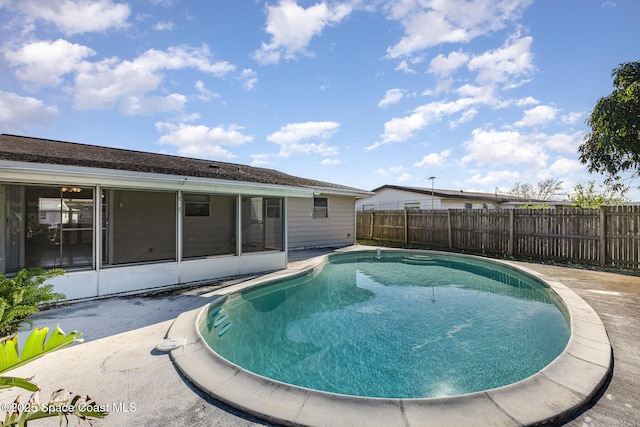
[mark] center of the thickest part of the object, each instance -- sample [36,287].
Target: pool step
[418,260]
[224,329]
[219,320]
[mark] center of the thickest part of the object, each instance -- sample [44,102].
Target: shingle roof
[37,150]
[459,194]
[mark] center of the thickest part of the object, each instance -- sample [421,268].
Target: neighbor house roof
[37,150]
[459,194]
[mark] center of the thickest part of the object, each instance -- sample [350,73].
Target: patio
[117,365]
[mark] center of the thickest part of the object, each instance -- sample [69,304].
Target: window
[273,208]
[468,206]
[368,208]
[197,205]
[48,227]
[411,206]
[320,207]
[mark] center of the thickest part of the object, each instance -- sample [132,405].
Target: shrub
[63,403]
[22,295]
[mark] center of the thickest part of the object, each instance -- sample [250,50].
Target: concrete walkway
[118,366]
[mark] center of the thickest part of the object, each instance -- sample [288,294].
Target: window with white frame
[320,207]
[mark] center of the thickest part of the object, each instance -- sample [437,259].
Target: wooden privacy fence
[609,236]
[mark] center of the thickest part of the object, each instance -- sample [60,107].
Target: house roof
[45,151]
[459,194]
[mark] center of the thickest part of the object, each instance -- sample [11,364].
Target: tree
[544,190]
[586,196]
[613,145]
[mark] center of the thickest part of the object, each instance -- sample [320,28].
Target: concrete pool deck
[118,365]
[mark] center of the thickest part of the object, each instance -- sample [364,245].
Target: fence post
[406,225]
[512,232]
[373,215]
[603,235]
[449,228]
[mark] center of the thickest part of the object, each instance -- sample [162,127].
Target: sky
[480,94]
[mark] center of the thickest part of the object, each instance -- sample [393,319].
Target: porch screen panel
[209,225]
[141,226]
[14,228]
[59,227]
[262,224]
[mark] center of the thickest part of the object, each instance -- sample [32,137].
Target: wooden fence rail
[609,236]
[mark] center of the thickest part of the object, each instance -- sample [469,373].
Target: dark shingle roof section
[37,150]
[459,194]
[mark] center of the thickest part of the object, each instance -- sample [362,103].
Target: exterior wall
[139,232]
[336,230]
[144,233]
[462,204]
[392,199]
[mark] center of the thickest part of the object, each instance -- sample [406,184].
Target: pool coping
[562,387]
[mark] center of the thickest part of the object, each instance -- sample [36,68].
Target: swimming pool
[393,325]
[558,389]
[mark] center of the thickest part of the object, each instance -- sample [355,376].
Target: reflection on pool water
[399,325]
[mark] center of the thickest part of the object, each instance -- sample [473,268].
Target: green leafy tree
[613,145]
[62,404]
[588,197]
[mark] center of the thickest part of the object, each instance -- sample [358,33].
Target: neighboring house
[120,220]
[396,197]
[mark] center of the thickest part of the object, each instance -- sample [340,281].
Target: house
[120,220]
[396,197]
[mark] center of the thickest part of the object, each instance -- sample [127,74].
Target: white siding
[336,230]
[392,199]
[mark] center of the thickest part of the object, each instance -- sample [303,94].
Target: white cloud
[404,177]
[505,147]
[290,136]
[571,118]
[565,166]
[392,96]
[400,129]
[164,26]
[506,64]
[249,77]
[492,177]
[428,24]
[524,102]
[292,27]
[563,142]
[44,63]
[260,159]
[134,105]
[205,94]
[202,141]
[433,160]
[537,115]
[331,162]
[405,67]
[382,172]
[78,16]
[107,83]
[445,65]
[17,113]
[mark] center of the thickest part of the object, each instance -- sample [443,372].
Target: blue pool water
[399,325]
